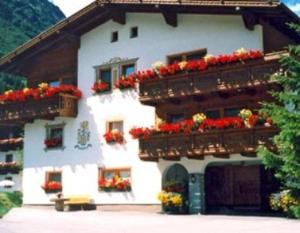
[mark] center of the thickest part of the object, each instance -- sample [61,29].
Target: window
[173,118]
[105,76]
[186,56]
[8,158]
[223,112]
[213,114]
[53,176]
[115,125]
[53,182]
[115,179]
[128,69]
[54,136]
[54,83]
[114,37]
[134,32]
[112,71]
[68,81]
[57,83]
[231,112]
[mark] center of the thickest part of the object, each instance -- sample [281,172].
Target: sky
[71,7]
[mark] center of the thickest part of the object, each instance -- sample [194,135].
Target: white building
[10,161]
[105,41]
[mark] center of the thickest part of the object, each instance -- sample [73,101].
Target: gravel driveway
[46,220]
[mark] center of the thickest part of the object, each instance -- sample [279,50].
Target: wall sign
[83,136]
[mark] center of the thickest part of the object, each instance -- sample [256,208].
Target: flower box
[101,87]
[115,184]
[52,187]
[44,91]
[52,143]
[114,136]
[172,198]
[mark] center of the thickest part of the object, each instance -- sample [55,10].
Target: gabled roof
[101,11]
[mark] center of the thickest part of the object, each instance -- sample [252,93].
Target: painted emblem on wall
[83,136]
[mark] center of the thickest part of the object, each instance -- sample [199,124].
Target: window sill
[53,191]
[103,92]
[113,191]
[62,148]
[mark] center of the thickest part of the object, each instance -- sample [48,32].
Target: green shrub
[9,201]
[294,212]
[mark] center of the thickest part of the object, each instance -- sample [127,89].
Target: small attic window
[114,36]
[134,32]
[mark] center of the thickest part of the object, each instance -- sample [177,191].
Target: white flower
[157,65]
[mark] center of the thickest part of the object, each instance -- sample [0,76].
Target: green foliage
[9,201]
[22,20]
[285,113]
[19,22]
[294,212]
[10,82]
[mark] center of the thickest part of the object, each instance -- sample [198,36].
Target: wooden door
[246,186]
[233,187]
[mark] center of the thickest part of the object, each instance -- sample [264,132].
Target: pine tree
[285,113]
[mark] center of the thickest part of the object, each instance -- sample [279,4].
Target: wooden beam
[118,16]
[170,18]
[250,20]
[249,154]
[221,155]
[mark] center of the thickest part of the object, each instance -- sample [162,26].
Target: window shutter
[115,75]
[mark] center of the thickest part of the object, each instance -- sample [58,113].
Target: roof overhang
[101,11]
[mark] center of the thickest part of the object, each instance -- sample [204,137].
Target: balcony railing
[216,79]
[11,144]
[219,143]
[64,105]
[10,168]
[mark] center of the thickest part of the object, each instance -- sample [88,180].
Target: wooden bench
[74,202]
[84,202]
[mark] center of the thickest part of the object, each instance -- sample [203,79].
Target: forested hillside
[21,20]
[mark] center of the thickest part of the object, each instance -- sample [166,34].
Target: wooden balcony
[63,105]
[11,144]
[10,168]
[219,143]
[223,78]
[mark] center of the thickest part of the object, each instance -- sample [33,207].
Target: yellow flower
[115,131]
[208,57]
[26,90]
[158,122]
[156,66]
[163,197]
[8,92]
[241,51]
[43,86]
[199,117]
[183,65]
[245,113]
[176,200]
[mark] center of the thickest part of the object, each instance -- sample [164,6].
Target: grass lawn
[9,201]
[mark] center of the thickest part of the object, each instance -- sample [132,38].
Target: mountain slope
[21,20]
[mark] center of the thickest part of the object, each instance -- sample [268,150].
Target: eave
[101,11]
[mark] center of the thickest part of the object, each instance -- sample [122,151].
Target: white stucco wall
[219,34]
